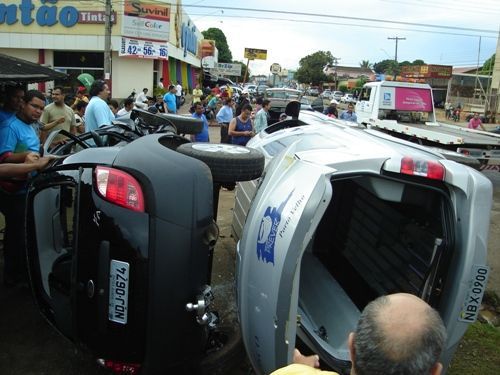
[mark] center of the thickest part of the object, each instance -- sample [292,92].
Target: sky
[290,36]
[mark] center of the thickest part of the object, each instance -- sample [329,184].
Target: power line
[345,24]
[348,18]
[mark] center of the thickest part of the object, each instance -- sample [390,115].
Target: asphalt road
[30,346]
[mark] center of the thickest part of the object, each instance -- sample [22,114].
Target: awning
[14,70]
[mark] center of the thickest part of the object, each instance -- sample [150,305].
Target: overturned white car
[341,216]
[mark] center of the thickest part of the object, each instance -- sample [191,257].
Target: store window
[76,63]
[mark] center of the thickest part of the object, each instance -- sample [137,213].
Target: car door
[281,221]
[51,219]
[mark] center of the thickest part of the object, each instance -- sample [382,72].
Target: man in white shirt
[128,104]
[142,100]
[178,94]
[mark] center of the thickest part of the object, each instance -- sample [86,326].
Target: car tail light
[120,368]
[424,168]
[120,188]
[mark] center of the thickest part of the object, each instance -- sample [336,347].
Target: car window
[311,142]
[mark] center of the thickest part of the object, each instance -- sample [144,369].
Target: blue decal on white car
[267,232]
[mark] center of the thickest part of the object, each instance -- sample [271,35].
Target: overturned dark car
[120,242]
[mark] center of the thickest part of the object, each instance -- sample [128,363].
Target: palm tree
[366,64]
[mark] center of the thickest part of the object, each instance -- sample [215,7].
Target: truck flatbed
[440,133]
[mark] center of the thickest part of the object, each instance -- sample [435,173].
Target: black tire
[228,163]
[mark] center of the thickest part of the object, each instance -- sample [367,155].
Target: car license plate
[474,296]
[118,291]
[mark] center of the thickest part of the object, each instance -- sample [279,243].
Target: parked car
[326,94]
[313,91]
[342,216]
[337,95]
[347,98]
[120,241]
[259,91]
[250,88]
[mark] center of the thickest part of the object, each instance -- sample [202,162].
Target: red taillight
[424,168]
[120,188]
[120,368]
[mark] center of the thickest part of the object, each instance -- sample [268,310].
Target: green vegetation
[479,352]
[488,65]
[311,67]
[213,33]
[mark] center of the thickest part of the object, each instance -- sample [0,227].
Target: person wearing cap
[331,110]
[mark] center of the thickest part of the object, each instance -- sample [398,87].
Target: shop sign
[95,17]
[426,71]
[255,54]
[189,41]
[48,14]
[143,49]
[146,21]
[225,69]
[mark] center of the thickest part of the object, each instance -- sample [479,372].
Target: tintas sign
[48,14]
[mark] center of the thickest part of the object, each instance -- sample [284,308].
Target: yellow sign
[255,54]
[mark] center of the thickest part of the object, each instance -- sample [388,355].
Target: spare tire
[228,163]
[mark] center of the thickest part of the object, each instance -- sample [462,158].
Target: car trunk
[378,236]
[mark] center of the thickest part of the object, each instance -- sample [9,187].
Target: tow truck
[405,110]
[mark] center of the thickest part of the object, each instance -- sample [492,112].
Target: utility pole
[396,53]
[107,41]
[335,63]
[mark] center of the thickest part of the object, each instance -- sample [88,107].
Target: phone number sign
[143,49]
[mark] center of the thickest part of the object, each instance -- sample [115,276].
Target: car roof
[329,141]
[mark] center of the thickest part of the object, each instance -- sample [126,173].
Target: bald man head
[397,334]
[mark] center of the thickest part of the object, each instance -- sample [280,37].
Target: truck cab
[399,101]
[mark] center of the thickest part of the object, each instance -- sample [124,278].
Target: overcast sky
[289,37]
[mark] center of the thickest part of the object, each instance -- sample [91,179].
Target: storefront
[148,41]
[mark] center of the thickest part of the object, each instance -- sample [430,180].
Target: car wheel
[228,163]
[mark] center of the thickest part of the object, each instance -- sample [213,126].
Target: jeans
[224,136]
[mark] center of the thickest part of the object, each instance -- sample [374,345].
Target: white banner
[226,69]
[143,49]
[145,28]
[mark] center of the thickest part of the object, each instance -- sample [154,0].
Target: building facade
[149,40]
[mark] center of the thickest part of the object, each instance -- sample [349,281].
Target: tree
[366,64]
[213,33]
[385,66]
[311,67]
[418,62]
[488,65]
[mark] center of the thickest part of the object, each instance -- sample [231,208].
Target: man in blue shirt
[169,99]
[224,117]
[349,114]
[12,103]
[18,139]
[97,113]
[198,113]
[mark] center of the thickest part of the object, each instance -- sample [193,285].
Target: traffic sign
[275,68]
